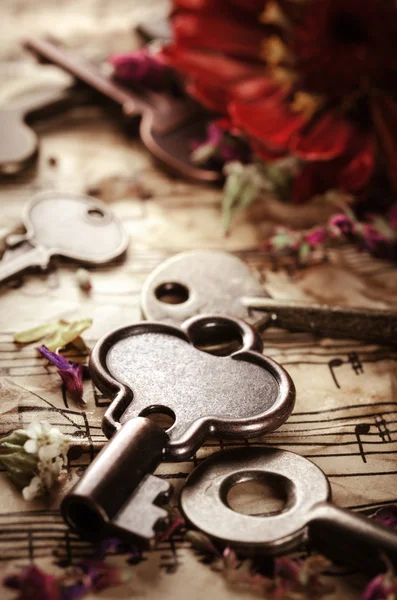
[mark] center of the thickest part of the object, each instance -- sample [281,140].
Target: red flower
[316,79]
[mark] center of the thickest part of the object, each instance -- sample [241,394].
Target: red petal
[217,32]
[269,120]
[305,184]
[214,98]
[327,138]
[359,169]
[253,88]
[264,153]
[209,67]
[384,112]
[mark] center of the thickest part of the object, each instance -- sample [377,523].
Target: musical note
[355,362]
[359,430]
[384,432]
[335,362]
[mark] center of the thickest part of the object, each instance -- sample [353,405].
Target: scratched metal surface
[345,415]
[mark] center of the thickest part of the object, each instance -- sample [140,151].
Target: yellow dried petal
[306,104]
[275,52]
[35,334]
[67,333]
[274,15]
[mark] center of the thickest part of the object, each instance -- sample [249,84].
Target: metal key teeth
[141,516]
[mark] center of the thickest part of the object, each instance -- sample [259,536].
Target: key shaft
[35,256]
[117,484]
[371,325]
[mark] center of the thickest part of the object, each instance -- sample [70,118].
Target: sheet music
[345,418]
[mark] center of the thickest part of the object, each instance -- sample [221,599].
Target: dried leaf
[67,333]
[36,333]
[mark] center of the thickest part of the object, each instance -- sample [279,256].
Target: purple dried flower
[317,236]
[374,240]
[341,223]
[392,216]
[382,587]
[387,516]
[34,583]
[221,145]
[71,373]
[100,575]
[141,67]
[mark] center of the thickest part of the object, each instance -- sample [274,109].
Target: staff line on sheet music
[40,361]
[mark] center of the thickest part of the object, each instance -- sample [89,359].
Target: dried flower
[176,521]
[221,146]
[262,64]
[141,67]
[387,516]
[34,458]
[83,278]
[57,335]
[89,575]
[377,235]
[33,583]
[381,587]
[70,372]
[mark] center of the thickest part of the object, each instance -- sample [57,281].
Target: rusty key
[307,515]
[19,142]
[168,124]
[149,369]
[208,281]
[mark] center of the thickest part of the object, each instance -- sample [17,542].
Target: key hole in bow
[258,494]
[172,292]
[162,416]
[96,214]
[216,337]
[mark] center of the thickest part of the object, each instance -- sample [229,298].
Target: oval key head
[204,497]
[74,226]
[157,368]
[199,282]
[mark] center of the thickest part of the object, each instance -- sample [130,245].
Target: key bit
[142,502]
[116,495]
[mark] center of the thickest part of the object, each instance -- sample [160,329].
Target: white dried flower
[34,458]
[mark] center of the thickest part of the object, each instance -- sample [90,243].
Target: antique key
[168,125]
[69,225]
[154,368]
[307,515]
[19,143]
[208,281]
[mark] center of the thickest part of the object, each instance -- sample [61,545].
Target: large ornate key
[168,125]
[307,515]
[70,225]
[207,281]
[151,368]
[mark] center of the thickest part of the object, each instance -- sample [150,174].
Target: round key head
[204,497]
[74,226]
[199,282]
[152,368]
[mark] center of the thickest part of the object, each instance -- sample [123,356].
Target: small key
[194,282]
[69,225]
[154,368]
[168,125]
[307,515]
[19,142]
